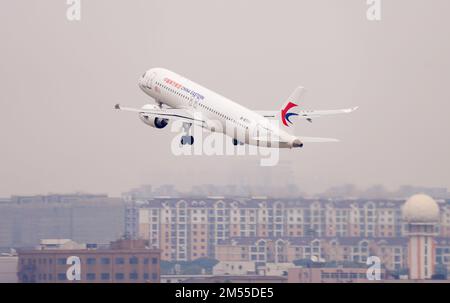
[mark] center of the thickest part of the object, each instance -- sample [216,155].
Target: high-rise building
[8,268]
[228,229]
[84,218]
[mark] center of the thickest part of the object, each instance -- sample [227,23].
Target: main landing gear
[236,142]
[187,139]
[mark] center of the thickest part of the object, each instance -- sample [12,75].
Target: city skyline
[256,234]
[234,190]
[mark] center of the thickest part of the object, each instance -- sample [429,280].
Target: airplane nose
[142,81]
[297,143]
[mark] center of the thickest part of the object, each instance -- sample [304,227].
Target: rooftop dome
[421,209]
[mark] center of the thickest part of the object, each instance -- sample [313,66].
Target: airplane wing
[167,113]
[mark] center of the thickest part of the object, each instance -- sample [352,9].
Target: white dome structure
[421,214]
[420,209]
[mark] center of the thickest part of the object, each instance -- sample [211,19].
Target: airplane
[178,98]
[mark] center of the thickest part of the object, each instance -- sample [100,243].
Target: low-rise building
[8,268]
[239,279]
[181,278]
[123,261]
[391,251]
[330,275]
[275,269]
[234,268]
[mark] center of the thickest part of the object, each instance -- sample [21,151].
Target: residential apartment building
[392,252]
[228,229]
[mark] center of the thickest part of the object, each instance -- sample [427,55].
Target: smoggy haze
[60,81]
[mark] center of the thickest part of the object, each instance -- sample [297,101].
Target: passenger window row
[202,105]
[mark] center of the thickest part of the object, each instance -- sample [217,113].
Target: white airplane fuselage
[219,113]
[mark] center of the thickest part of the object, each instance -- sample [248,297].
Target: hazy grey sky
[60,80]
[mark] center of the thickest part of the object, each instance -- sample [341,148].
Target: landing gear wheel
[236,142]
[189,140]
[186,138]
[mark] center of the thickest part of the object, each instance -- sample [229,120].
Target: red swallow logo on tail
[286,115]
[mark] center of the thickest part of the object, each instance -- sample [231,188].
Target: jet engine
[153,120]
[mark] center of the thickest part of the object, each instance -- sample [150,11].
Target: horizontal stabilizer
[317,140]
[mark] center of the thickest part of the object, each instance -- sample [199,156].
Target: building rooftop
[302,241]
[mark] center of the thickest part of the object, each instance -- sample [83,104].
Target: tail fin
[292,101]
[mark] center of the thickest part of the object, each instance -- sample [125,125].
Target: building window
[105,276]
[90,261]
[134,260]
[133,276]
[119,276]
[61,261]
[105,261]
[90,276]
[61,277]
[145,260]
[146,276]
[120,261]
[154,261]
[154,276]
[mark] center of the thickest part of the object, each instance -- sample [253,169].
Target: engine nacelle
[154,121]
